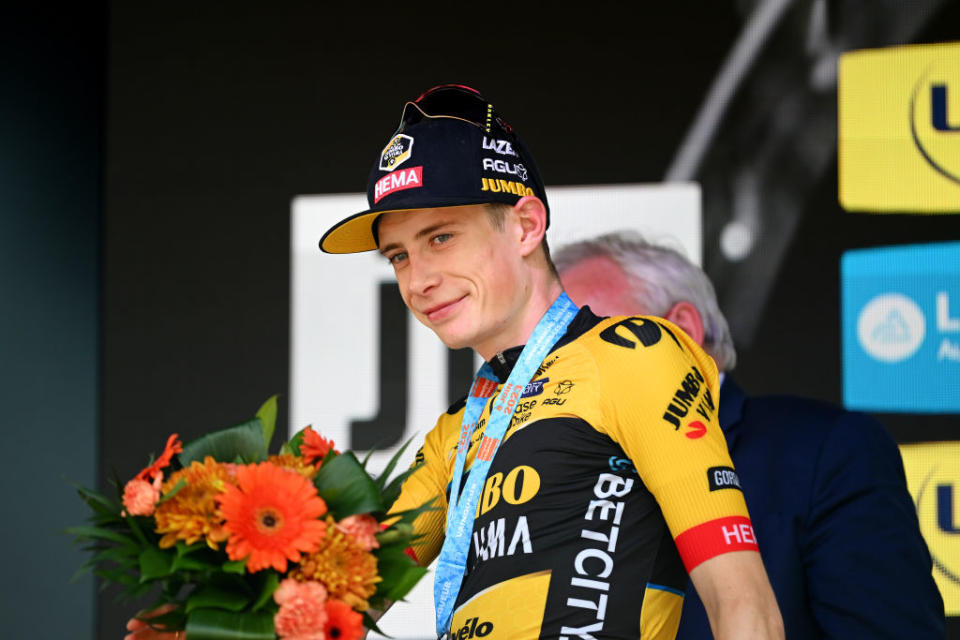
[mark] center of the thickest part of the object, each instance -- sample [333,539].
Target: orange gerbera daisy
[314,446]
[343,623]
[192,512]
[271,516]
[347,571]
[173,447]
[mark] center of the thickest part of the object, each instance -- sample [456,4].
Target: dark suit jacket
[837,529]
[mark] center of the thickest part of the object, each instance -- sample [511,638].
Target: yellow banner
[933,477]
[899,129]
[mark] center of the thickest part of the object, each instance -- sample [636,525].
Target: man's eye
[440,238]
[397,258]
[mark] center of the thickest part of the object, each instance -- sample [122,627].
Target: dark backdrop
[218,114]
[51,95]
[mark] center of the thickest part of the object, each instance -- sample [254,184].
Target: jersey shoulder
[640,341]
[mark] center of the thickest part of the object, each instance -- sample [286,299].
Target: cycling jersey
[612,479]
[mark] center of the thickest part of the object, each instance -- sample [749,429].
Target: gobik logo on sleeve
[933,477]
[901,328]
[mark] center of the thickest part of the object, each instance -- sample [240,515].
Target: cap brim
[351,235]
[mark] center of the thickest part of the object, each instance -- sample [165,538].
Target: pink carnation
[302,614]
[362,528]
[140,497]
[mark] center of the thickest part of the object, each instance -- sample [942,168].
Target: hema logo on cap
[901,328]
[398,181]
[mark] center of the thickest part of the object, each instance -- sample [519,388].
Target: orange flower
[343,623]
[314,446]
[362,528]
[192,512]
[294,463]
[302,614]
[347,571]
[271,516]
[140,497]
[173,447]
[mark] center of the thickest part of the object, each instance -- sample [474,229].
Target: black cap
[452,148]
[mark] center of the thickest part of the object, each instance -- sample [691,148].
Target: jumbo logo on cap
[397,151]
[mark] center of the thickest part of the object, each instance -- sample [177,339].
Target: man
[575,507]
[836,527]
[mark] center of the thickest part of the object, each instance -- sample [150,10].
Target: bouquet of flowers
[238,543]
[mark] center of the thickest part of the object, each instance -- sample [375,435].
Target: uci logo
[938,508]
[935,117]
[891,327]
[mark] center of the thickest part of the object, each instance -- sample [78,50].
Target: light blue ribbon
[452,563]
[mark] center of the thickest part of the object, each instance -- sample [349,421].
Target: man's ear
[532,215]
[685,315]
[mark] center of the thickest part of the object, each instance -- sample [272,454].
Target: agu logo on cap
[933,477]
[901,328]
[396,152]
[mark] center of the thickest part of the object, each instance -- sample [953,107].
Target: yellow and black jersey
[612,478]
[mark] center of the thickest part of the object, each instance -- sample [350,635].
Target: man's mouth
[441,311]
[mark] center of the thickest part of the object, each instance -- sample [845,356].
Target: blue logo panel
[901,328]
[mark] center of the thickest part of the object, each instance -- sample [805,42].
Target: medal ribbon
[452,563]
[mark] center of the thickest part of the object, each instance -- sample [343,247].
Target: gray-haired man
[836,526]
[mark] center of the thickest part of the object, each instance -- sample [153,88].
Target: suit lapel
[730,412]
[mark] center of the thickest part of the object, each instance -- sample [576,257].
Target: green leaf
[189,563]
[371,624]
[399,574]
[346,487]
[97,501]
[399,532]
[243,441]
[270,584]
[211,597]
[98,533]
[181,483]
[235,566]
[293,447]
[155,563]
[216,624]
[268,418]
[382,478]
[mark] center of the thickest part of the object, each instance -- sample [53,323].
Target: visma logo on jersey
[901,328]
[933,477]
[899,138]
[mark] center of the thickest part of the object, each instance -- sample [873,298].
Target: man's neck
[519,332]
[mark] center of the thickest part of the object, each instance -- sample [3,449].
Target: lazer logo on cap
[503,147]
[396,152]
[502,166]
[411,178]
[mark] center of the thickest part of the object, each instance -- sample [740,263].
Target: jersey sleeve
[424,484]
[659,394]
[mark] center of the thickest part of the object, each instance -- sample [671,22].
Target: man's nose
[423,276]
